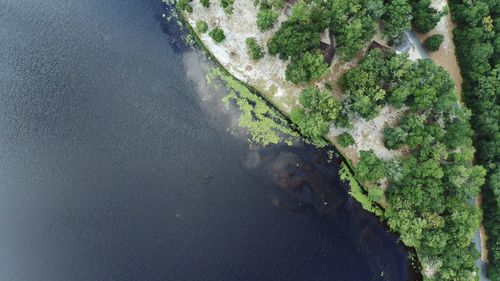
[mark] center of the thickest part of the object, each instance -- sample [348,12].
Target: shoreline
[415,265]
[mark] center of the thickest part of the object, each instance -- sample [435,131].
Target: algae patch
[357,191]
[265,125]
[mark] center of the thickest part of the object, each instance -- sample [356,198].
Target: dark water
[116,164]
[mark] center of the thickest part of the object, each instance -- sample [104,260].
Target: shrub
[274,4]
[184,6]
[345,139]
[205,3]
[253,49]
[217,34]
[434,42]
[266,18]
[375,193]
[201,26]
[227,5]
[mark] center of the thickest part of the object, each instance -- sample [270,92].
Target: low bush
[253,49]
[201,26]
[345,139]
[217,34]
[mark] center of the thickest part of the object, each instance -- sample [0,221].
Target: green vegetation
[434,42]
[353,23]
[227,5]
[300,33]
[205,3]
[397,18]
[358,193]
[319,108]
[253,49]
[266,18]
[264,124]
[345,139]
[429,189]
[369,168]
[365,94]
[394,138]
[299,38]
[183,5]
[201,26]
[310,66]
[477,43]
[425,17]
[217,34]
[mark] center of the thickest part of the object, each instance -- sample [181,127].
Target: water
[116,164]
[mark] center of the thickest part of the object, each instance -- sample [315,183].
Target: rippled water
[116,164]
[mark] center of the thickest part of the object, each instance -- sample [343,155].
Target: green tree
[311,126]
[183,5]
[319,108]
[394,138]
[353,24]
[375,194]
[425,17]
[309,67]
[397,18]
[300,33]
[363,85]
[217,34]
[434,42]
[369,167]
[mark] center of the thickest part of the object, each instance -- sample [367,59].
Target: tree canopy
[310,66]
[318,109]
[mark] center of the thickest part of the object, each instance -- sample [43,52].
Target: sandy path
[445,56]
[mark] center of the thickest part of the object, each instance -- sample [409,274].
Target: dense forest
[477,41]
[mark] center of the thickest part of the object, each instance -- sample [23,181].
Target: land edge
[415,263]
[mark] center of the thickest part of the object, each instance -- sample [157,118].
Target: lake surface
[116,163]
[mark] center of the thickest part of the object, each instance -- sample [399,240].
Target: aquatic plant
[265,125]
[357,191]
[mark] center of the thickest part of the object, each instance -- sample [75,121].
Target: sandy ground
[268,74]
[445,56]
